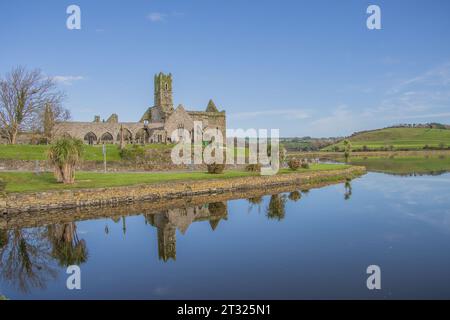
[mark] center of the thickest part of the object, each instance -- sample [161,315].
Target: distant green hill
[397,139]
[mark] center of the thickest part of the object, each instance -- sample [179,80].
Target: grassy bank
[397,139]
[30,182]
[90,153]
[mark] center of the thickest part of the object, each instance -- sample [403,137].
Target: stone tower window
[167,86]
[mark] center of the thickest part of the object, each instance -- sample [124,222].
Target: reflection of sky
[424,198]
[320,249]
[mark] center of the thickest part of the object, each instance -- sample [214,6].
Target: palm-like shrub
[64,155]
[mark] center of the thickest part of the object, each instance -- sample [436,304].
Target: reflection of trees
[295,196]
[348,189]
[255,201]
[25,259]
[67,248]
[3,238]
[276,209]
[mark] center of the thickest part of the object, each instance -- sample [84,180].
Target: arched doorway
[142,136]
[90,138]
[107,138]
[127,136]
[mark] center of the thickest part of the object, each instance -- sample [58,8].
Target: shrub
[305,165]
[215,168]
[64,155]
[2,185]
[294,164]
[134,153]
[253,167]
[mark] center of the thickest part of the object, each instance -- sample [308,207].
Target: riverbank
[383,154]
[73,198]
[117,211]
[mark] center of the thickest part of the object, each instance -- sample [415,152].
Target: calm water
[314,244]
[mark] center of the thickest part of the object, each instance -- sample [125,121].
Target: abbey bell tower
[163,92]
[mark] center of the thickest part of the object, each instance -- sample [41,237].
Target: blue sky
[305,67]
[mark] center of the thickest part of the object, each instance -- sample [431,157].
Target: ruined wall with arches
[105,132]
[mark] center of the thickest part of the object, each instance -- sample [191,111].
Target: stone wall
[81,129]
[66,199]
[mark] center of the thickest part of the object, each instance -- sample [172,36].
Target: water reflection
[206,248]
[30,257]
[167,223]
[277,207]
[26,259]
[67,248]
[405,166]
[348,189]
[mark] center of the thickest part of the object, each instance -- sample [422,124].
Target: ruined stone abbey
[155,126]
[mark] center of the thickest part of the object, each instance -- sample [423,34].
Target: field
[397,139]
[90,153]
[28,181]
[38,152]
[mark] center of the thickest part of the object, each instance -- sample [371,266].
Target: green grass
[90,153]
[398,138]
[404,165]
[30,182]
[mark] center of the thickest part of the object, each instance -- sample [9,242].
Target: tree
[23,95]
[347,149]
[47,118]
[64,154]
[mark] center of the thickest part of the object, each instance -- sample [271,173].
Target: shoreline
[13,203]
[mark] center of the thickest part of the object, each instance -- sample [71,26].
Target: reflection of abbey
[155,126]
[169,221]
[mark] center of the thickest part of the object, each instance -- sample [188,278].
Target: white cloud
[67,80]
[341,121]
[162,17]
[156,17]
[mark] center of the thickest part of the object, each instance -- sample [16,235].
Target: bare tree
[23,94]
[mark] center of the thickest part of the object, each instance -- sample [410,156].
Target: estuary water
[314,244]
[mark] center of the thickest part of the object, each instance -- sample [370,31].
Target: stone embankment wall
[66,199]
